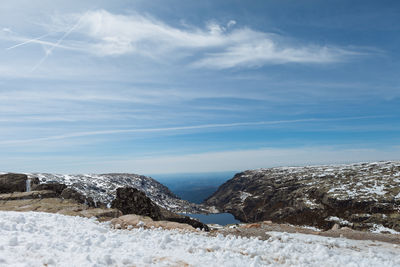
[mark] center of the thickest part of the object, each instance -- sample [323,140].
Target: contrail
[29,41]
[58,43]
[181,128]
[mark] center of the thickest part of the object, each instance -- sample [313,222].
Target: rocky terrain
[15,195]
[102,188]
[50,198]
[363,196]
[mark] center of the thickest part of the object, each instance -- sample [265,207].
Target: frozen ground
[42,239]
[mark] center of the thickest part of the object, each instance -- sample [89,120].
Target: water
[217,218]
[196,187]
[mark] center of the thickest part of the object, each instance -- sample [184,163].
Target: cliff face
[362,196]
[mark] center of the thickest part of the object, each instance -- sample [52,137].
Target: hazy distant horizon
[200,174]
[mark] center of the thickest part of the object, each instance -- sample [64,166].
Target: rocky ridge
[54,197]
[102,189]
[361,196]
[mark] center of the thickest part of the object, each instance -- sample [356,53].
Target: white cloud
[215,46]
[266,51]
[231,23]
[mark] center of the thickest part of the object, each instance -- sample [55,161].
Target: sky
[168,86]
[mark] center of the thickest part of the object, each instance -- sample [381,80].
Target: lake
[196,187]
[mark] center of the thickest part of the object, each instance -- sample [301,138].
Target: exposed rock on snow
[42,239]
[102,188]
[136,221]
[357,195]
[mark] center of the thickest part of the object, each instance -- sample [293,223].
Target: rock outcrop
[132,201]
[361,196]
[12,182]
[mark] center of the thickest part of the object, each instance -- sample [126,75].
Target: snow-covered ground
[42,239]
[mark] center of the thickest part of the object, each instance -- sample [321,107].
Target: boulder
[130,200]
[12,182]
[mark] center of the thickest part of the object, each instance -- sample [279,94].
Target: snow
[378,228]
[42,239]
[244,195]
[338,220]
[368,181]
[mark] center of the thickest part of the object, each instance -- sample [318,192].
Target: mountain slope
[363,195]
[102,187]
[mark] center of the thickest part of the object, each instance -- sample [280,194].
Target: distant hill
[361,196]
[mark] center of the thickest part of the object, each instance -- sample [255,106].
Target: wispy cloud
[266,51]
[236,47]
[174,129]
[216,45]
[65,35]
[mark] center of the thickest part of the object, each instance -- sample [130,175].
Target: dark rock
[56,187]
[185,219]
[34,181]
[130,200]
[12,182]
[70,193]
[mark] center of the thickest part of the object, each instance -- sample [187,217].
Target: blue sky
[197,86]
